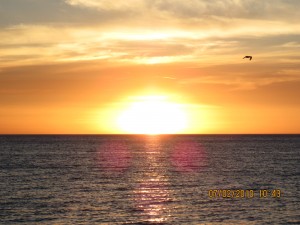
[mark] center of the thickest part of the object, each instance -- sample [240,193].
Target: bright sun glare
[153,115]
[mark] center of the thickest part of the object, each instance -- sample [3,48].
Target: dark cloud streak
[39,12]
[14,12]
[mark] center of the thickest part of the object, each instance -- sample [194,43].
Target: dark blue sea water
[176,179]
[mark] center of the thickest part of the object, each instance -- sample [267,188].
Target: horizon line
[110,134]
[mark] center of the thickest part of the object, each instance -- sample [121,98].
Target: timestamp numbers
[276,193]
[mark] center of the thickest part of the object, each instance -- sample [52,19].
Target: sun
[153,115]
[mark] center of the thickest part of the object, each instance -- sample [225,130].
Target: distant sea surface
[136,179]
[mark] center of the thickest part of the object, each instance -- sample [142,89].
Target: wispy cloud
[108,4]
[200,32]
[251,9]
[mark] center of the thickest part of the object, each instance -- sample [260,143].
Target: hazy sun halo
[153,115]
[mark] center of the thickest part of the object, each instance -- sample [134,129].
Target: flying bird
[248,57]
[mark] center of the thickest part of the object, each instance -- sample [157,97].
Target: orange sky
[74,66]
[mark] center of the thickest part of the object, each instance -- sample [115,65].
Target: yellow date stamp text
[244,193]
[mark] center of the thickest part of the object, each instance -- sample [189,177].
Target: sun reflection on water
[152,193]
[147,168]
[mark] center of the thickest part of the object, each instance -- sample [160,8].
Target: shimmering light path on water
[148,179]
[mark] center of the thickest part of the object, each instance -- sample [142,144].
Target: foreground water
[183,179]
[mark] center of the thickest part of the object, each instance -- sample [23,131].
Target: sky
[98,66]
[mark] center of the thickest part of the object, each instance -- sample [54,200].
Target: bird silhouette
[248,57]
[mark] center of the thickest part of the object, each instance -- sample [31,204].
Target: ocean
[140,179]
